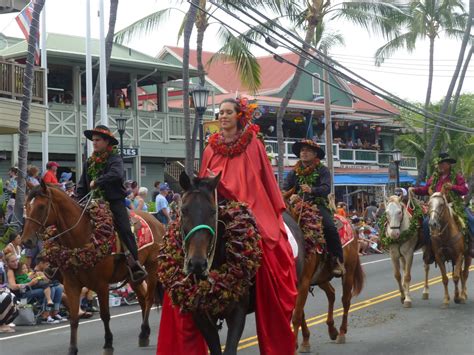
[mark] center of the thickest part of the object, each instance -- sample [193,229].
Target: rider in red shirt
[50,175]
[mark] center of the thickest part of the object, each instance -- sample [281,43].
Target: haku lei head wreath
[246,110]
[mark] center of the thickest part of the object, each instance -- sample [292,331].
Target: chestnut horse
[48,205]
[398,221]
[318,272]
[448,245]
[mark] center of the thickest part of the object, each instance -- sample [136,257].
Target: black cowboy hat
[102,131]
[444,157]
[308,143]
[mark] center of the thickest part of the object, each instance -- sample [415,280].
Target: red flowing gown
[248,178]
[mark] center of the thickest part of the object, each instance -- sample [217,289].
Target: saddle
[140,229]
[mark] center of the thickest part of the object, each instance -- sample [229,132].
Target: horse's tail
[359,278]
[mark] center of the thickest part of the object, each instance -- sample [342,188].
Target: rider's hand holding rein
[93,185]
[306,188]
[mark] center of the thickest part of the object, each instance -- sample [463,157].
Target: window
[316,84]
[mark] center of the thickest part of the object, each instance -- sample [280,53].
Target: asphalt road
[378,324]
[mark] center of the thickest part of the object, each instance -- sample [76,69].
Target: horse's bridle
[213,231]
[401,220]
[439,214]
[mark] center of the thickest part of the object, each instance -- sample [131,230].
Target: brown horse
[318,272]
[448,245]
[46,206]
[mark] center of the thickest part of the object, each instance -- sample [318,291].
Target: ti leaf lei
[308,176]
[96,165]
[415,224]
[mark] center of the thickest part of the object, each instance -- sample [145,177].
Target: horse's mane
[443,196]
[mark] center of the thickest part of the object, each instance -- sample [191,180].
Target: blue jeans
[426,231]
[36,294]
[56,296]
[470,221]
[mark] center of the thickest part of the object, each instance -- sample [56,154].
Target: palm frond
[144,26]
[405,40]
[328,39]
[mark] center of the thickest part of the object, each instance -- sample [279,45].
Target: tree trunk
[109,41]
[447,100]
[428,90]
[201,25]
[188,29]
[461,81]
[312,22]
[25,113]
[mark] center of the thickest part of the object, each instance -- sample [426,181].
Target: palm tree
[109,41]
[461,79]
[25,111]
[425,19]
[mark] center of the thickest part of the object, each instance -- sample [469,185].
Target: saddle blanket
[292,240]
[141,230]
[344,229]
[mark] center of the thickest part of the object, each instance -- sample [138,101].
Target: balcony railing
[11,81]
[272,148]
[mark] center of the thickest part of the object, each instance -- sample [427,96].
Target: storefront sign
[130,152]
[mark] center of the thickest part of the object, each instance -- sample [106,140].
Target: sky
[404,75]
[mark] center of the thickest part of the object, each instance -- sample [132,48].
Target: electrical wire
[392,98]
[281,59]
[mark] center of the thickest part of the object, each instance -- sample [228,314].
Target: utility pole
[328,130]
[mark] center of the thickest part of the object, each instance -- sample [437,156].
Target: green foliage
[151,206]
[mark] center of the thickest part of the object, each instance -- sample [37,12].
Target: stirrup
[137,272]
[338,270]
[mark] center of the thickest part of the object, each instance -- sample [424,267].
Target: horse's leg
[103,296]
[465,275]
[442,269]
[141,292]
[426,288]
[347,283]
[305,345]
[457,274]
[208,329]
[395,255]
[408,261]
[235,325]
[73,291]
[331,296]
[303,289]
[144,337]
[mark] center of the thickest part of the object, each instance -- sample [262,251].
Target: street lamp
[121,124]
[200,95]
[397,158]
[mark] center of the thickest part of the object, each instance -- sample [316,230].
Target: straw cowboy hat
[444,157]
[102,131]
[308,143]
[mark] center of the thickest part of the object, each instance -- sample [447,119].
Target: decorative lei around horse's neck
[224,285]
[96,165]
[235,148]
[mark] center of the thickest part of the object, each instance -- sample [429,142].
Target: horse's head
[38,214]
[199,222]
[438,205]
[395,213]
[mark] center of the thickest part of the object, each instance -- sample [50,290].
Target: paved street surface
[378,324]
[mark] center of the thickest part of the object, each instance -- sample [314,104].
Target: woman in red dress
[247,176]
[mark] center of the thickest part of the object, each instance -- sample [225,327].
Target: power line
[283,60]
[437,67]
[388,96]
[394,58]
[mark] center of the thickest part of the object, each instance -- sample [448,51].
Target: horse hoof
[425,296]
[72,352]
[407,304]
[457,300]
[143,342]
[402,299]
[333,335]
[341,339]
[304,349]
[445,306]
[108,351]
[462,301]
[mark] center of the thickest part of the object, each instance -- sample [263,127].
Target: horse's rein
[401,220]
[439,215]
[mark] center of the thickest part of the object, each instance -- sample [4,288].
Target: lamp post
[397,158]
[200,95]
[121,124]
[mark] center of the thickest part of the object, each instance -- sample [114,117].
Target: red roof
[362,106]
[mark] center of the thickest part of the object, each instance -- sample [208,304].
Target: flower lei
[308,176]
[96,165]
[101,242]
[310,224]
[415,225]
[224,285]
[246,110]
[218,144]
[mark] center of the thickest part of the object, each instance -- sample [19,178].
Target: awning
[368,179]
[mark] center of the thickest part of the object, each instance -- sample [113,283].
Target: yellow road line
[251,341]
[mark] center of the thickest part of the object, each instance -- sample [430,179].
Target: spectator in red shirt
[50,175]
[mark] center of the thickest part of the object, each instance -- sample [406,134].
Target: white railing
[272,148]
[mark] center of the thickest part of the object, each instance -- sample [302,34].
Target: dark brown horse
[46,206]
[199,208]
[318,272]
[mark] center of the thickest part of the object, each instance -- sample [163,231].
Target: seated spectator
[26,290]
[139,203]
[370,235]
[350,143]
[32,178]
[23,276]
[14,245]
[8,310]
[341,211]
[70,189]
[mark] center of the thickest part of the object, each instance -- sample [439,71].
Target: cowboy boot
[338,269]
[135,269]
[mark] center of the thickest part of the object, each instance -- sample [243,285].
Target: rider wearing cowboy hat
[443,178]
[109,181]
[312,179]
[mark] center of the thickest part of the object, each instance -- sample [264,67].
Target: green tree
[424,19]
[25,112]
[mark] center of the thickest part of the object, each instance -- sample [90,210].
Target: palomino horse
[318,272]
[398,221]
[448,245]
[199,209]
[47,206]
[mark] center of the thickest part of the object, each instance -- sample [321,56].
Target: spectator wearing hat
[50,175]
[32,178]
[105,178]
[70,189]
[162,206]
[65,177]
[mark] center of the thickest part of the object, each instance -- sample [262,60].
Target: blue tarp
[367,179]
